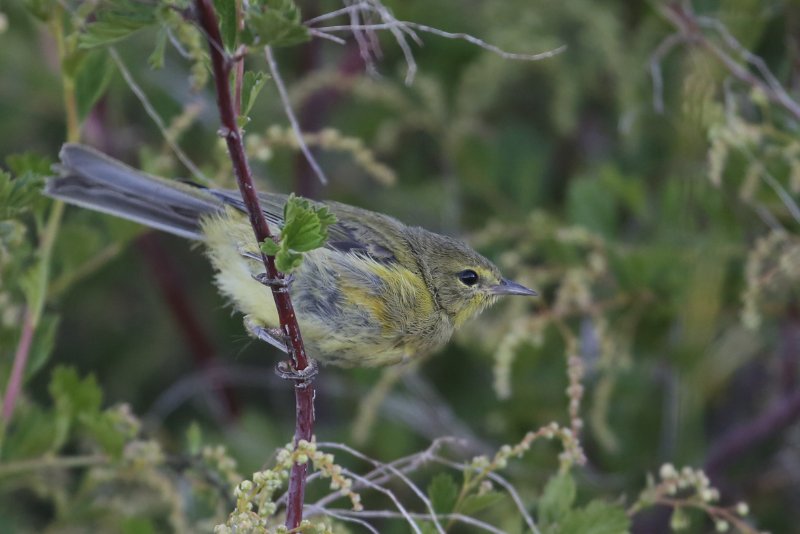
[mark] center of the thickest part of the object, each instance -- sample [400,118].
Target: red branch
[304,392]
[20,361]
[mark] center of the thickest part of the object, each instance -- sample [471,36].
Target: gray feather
[92,180]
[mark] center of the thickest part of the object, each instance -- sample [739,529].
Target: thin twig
[304,391]
[392,470]
[386,514]
[18,369]
[52,462]
[287,108]
[336,514]
[336,13]
[685,21]
[656,58]
[500,481]
[448,35]
[156,118]
[402,509]
[323,35]
[364,33]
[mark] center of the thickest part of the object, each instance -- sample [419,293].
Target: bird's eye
[468,277]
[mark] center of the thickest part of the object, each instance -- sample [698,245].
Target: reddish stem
[20,362]
[304,392]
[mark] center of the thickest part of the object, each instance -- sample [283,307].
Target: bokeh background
[656,216]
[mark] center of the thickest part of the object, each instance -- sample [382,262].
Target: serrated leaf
[115,21]
[557,499]
[305,228]
[91,80]
[73,397]
[596,518]
[443,492]
[226,12]
[475,503]
[252,84]
[103,428]
[29,162]
[18,194]
[288,261]
[270,247]
[73,394]
[277,23]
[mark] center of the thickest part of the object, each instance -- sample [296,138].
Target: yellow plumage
[378,293]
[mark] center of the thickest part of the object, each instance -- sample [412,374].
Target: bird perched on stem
[377,293]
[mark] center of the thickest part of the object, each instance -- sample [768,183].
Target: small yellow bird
[378,293]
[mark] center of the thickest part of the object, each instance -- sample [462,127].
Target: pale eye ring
[468,277]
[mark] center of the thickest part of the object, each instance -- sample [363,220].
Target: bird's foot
[301,377]
[273,336]
[281,284]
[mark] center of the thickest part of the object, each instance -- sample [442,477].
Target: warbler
[378,293]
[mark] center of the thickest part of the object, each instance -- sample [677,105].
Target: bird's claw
[273,336]
[281,284]
[301,377]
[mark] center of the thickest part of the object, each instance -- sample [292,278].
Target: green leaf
[252,84]
[91,80]
[73,397]
[103,428]
[288,261]
[34,434]
[278,23]
[226,12]
[305,228]
[559,494]
[443,492]
[29,163]
[116,20]
[597,518]
[270,247]
[20,192]
[475,503]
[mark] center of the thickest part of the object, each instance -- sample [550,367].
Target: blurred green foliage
[664,243]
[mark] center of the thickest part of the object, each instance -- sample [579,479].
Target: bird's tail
[90,179]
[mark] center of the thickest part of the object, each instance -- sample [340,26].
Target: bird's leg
[273,336]
[302,377]
[281,284]
[276,338]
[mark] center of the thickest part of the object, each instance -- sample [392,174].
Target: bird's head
[463,281]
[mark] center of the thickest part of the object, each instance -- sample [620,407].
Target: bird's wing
[356,230]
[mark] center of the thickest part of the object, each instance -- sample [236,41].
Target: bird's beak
[507,287]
